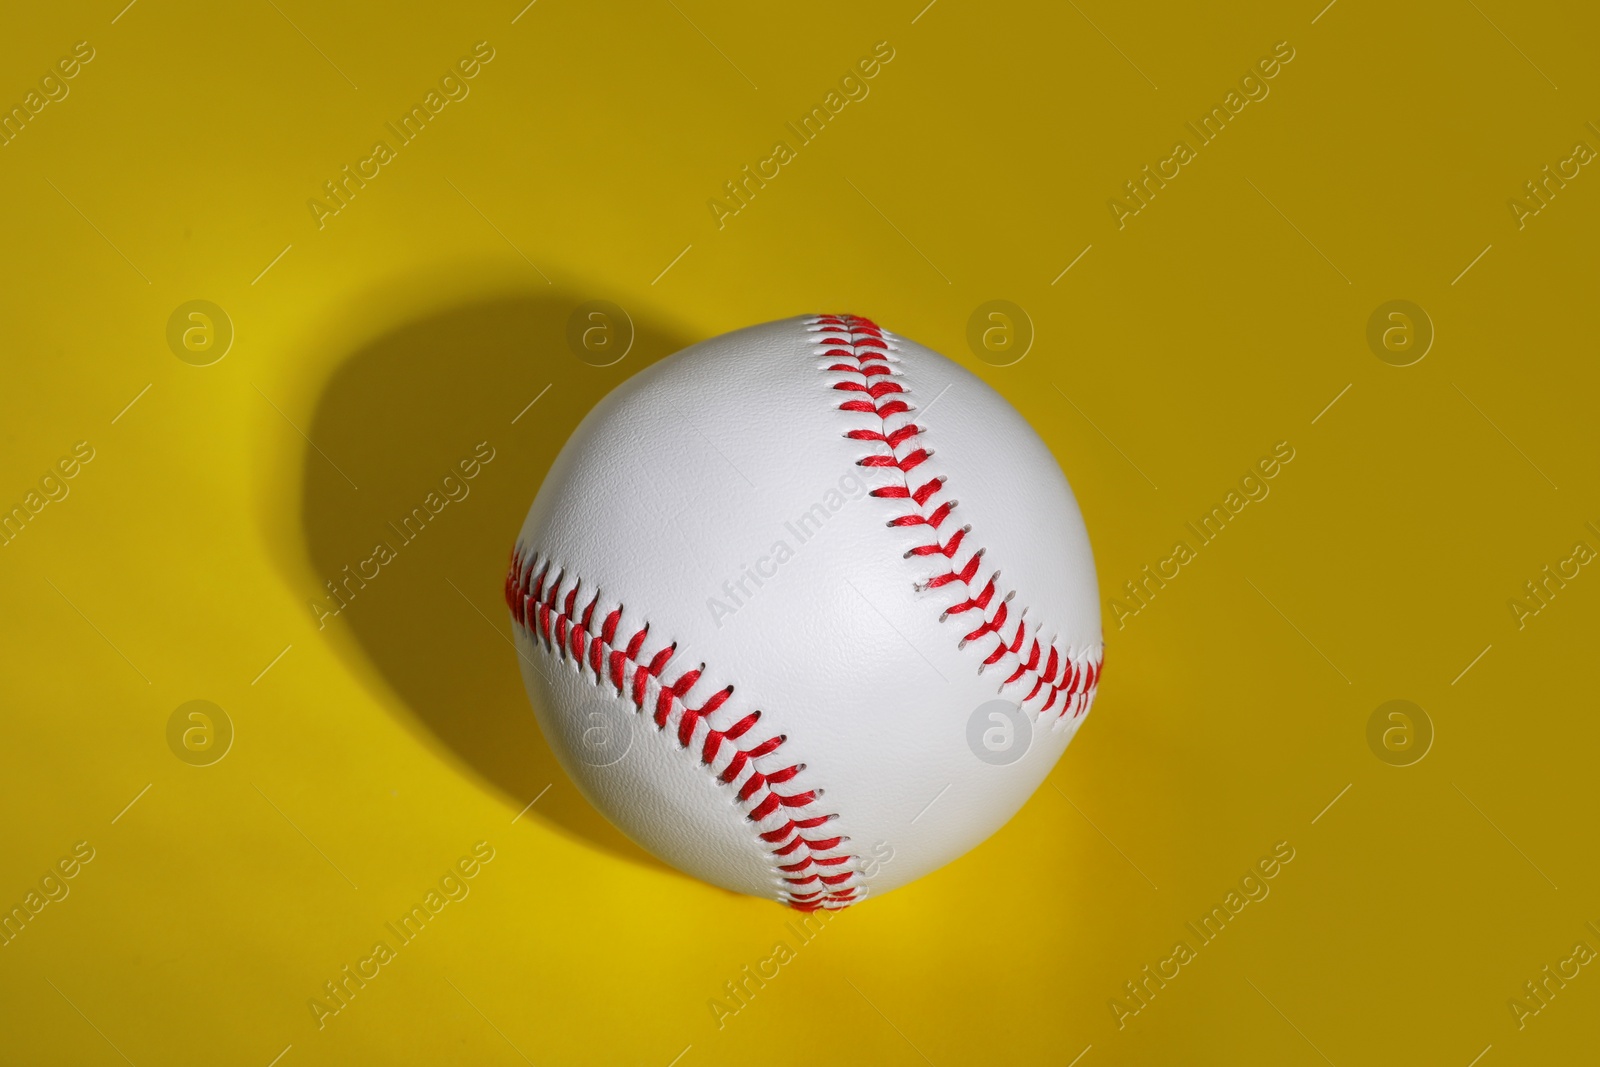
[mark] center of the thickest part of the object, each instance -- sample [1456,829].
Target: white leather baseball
[763,637]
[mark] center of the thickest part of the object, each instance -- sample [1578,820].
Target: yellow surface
[1224,317]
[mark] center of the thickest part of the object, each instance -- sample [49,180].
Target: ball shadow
[425,445]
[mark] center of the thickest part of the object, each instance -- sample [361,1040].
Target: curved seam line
[871,379]
[553,622]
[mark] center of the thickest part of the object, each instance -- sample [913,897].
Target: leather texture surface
[717,498]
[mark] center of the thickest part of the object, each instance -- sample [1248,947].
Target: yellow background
[422,318]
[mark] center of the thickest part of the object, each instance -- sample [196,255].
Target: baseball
[806,610]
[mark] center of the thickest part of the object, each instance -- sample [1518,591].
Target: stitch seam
[811,868]
[871,388]
[553,621]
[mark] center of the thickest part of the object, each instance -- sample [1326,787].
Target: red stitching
[861,340]
[559,625]
[556,623]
